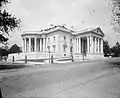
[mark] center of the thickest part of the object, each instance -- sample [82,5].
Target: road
[72,80]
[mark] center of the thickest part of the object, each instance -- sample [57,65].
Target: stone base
[79,57]
[42,55]
[95,56]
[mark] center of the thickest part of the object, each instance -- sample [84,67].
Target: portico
[34,44]
[89,44]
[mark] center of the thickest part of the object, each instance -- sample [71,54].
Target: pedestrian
[13,59]
[52,59]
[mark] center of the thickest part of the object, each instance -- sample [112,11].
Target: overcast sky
[82,14]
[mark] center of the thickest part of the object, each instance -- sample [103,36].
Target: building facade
[63,42]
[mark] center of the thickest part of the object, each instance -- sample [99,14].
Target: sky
[81,14]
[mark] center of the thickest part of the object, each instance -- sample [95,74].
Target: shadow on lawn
[12,66]
[33,60]
[115,64]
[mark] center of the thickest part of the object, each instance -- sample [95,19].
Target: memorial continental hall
[61,42]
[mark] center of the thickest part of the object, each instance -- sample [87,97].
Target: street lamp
[49,56]
[25,58]
[83,56]
[72,53]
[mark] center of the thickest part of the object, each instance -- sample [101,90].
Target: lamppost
[49,56]
[83,56]
[25,58]
[72,54]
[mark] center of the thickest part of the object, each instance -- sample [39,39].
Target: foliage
[116,14]
[7,21]
[2,38]
[3,2]
[106,48]
[115,50]
[3,53]
[15,49]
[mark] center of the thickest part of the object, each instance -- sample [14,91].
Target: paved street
[72,80]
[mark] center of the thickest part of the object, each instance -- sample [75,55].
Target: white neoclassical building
[63,42]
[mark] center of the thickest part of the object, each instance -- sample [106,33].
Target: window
[54,48]
[48,48]
[64,38]
[48,39]
[71,49]
[54,38]
[64,48]
[71,40]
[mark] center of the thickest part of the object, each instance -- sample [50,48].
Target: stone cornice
[97,31]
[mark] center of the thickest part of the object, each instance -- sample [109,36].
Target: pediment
[98,31]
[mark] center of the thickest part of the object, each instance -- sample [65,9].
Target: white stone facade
[63,42]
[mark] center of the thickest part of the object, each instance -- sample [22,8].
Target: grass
[115,64]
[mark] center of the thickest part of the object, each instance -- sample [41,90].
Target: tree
[106,48]
[116,49]
[15,49]
[3,53]
[8,22]
[116,14]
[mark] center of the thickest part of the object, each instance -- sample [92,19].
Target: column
[74,47]
[43,44]
[35,44]
[79,45]
[40,44]
[95,45]
[88,46]
[76,44]
[29,44]
[101,46]
[25,44]
[98,45]
[91,44]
